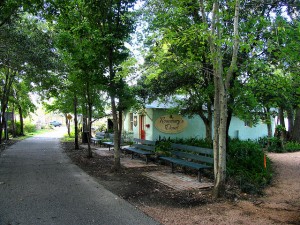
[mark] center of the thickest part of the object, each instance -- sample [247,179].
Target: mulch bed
[130,183]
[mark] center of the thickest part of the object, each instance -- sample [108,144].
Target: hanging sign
[69,117]
[171,124]
[8,116]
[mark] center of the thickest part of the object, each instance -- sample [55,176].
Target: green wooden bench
[141,147]
[190,156]
[98,138]
[110,144]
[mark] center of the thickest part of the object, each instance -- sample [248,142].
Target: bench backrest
[150,148]
[144,142]
[100,135]
[194,153]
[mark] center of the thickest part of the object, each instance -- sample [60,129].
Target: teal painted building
[155,121]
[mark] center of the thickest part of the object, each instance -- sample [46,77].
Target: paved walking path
[40,185]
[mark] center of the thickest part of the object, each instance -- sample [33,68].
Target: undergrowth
[245,161]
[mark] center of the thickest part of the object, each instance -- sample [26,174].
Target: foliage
[127,137]
[292,146]
[245,164]
[29,127]
[162,147]
[274,144]
[245,161]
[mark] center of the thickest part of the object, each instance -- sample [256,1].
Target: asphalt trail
[40,185]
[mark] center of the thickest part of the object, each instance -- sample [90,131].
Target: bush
[245,162]
[245,165]
[275,145]
[292,146]
[29,128]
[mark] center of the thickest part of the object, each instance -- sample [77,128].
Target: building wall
[238,130]
[195,127]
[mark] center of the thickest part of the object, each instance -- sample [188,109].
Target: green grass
[36,132]
[68,138]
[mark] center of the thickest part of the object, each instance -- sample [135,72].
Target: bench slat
[186,163]
[144,142]
[200,150]
[142,147]
[145,147]
[199,158]
[132,149]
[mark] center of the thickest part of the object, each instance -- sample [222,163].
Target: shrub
[245,162]
[29,127]
[163,147]
[245,165]
[275,145]
[292,146]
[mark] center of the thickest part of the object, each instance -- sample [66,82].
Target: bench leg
[132,155]
[172,167]
[199,176]
[146,159]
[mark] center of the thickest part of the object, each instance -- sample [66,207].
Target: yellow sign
[69,117]
[171,124]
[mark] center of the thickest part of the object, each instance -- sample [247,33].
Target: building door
[142,127]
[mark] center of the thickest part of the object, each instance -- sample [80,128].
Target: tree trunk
[222,85]
[220,141]
[84,126]
[67,121]
[21,121]
[120,127]
[269,122]
[2,124]
[207,120]
[229,117]
[296,129]
[281,117]
[90,154]
[208,131]
[76,123]
[290,115]
[117,162]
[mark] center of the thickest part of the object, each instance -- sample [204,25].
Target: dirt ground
[279,205]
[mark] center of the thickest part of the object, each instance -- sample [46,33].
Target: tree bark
[76,123]
[117,162]
[281,117]
[207,120]
[296,129]
[290,115]
[222,85]
[21,121]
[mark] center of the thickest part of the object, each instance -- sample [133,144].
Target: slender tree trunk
[281,117]
[120,127]
[208,131]
[290,116]
[90,154]
[117,162]
[222,85]
[296,129]
[76,123]
[9,77]
[21,121]
[13,124]
[207,120]
[229,117]
[85,129]
[269,122]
